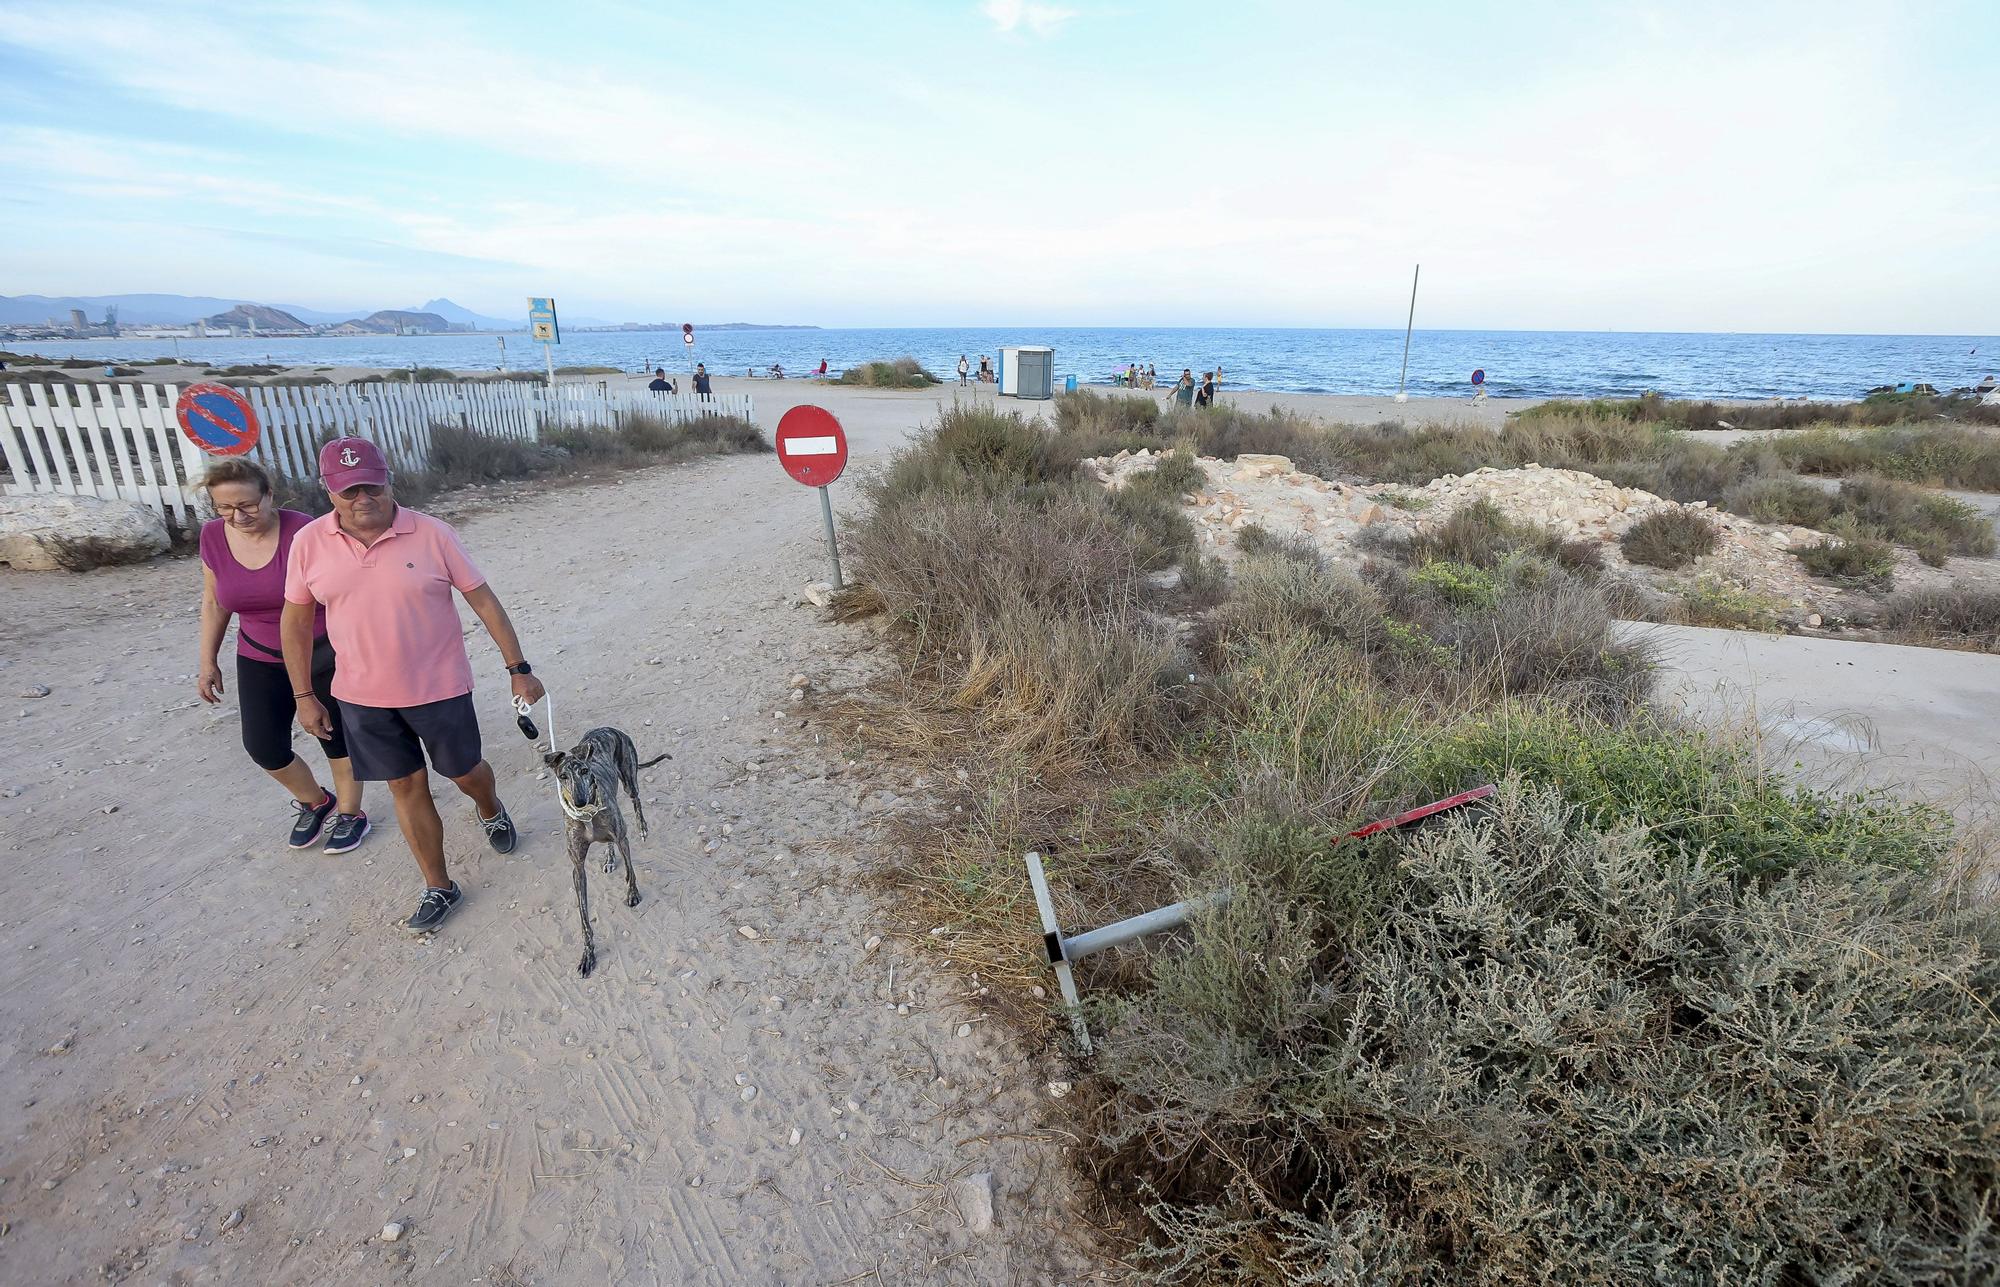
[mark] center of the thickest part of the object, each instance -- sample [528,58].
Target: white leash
[524,709]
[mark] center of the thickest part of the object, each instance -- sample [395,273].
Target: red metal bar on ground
[1422,811]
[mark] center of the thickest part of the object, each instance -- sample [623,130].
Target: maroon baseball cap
[344,462]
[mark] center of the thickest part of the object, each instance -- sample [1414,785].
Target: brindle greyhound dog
[588,776]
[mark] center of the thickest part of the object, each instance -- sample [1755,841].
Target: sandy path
[224,994]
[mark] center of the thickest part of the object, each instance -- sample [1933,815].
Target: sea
[1516,364]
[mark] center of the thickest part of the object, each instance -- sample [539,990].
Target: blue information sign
[542,319]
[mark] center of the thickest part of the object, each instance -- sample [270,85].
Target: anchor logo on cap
[348,458]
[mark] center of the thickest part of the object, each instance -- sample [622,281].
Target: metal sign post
[1408,325]
[543,325]
[813,449]
[832,546]
[687,338]
[1062,949]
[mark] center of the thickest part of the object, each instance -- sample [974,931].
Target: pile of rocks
[1263,490]
[1269,492]
[1569,500]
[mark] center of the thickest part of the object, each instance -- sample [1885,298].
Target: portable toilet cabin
[1027,371]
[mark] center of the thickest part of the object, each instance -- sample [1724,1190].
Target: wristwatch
[521,669]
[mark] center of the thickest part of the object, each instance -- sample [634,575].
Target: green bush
[1711,601]
[1669,538]
[1546,1052]
[1459,584]
[1934,526]
[973,450]
[1696,793]
[903,373]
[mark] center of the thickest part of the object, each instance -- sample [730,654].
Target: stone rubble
[1270,492]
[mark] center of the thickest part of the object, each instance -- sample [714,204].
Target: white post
[549,352]
[503,351]
[1408,325]
[1064,978]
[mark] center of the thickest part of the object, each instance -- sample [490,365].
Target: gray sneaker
[434,907]
[347,832]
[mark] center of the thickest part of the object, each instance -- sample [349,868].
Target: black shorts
[388,742]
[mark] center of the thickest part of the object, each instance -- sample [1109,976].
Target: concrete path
[1866,713]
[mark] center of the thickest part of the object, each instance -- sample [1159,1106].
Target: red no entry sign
[811,445]
[217,419]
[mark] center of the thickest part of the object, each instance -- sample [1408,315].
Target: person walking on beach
[1152,376]
[1205,395]
[963,367]
[385,576]
[701,386]
[244,550]
[1183,391]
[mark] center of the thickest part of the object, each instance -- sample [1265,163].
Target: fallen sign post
[217,419]
[813,449]
[1062,949]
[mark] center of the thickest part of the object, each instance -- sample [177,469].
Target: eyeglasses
[370,490]
[231,511]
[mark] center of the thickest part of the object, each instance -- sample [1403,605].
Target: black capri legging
[264,692]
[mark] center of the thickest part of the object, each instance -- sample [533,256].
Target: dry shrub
[1669,538]
[1783,499]
[88,553]
[1959,616]
[1479,534]
[1942,455]
[1856,561]
[902,373]
[1550,1052]
[1934,526]
[1025,613]
[976,451]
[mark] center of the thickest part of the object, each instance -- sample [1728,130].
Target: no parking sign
[217,419]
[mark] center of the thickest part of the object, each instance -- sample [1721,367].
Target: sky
[1691,166]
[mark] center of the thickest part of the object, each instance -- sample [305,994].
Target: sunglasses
[370,490]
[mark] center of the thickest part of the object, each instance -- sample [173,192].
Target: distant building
[77,321]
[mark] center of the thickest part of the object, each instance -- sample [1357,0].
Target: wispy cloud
[1012,15]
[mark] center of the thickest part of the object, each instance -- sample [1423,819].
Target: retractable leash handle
[523,709]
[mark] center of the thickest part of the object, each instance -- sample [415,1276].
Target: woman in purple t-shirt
[243,555]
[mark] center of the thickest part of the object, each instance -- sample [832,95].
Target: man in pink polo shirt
[385,575]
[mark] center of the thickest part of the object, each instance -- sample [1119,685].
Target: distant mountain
[394,321]
[262,316]
[462,316]
[318,316]
[135,310]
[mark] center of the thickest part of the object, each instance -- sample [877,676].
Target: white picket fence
[122,441]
